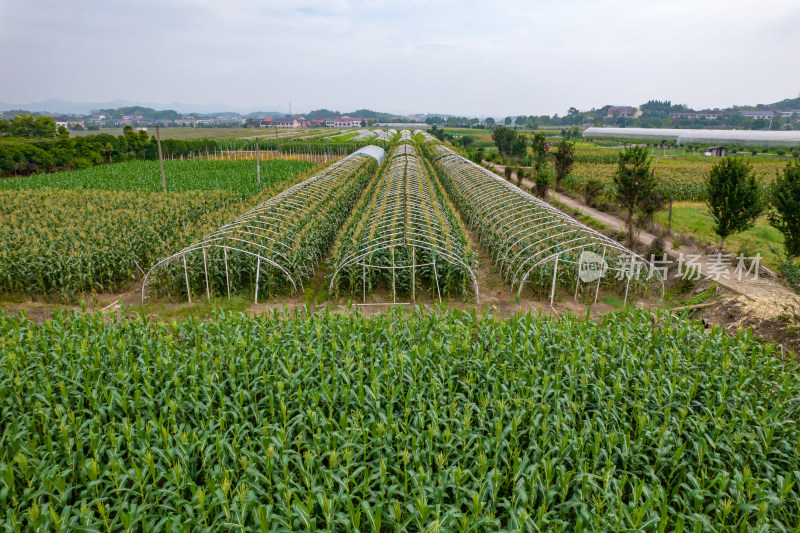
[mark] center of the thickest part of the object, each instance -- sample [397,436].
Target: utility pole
[258,164]
[161,161]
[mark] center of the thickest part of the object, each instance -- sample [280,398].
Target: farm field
[692,218]
[414,419]
[483,137]
[192,133]
[182,175]
[443,422]
[98,229]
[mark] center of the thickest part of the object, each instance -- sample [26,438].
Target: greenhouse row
[275,246]
[789,139]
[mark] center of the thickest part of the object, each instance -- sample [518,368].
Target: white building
[344,122]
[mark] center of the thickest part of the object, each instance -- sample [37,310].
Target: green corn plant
[429,421]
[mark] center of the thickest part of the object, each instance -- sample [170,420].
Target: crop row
[429,422]
[681,179]
[181,175]
[532,242]
[403,236]
[387,135]
[75,241]
[70,242]
[275,246]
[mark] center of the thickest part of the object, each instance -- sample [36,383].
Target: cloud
[465,57]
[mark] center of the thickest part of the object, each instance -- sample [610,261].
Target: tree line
[32,145]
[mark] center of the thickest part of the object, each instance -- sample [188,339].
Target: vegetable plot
[403,235]
[273,247]
[535,243]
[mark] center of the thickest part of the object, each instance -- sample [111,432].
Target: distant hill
[786,105]
[66,107]
[322,114]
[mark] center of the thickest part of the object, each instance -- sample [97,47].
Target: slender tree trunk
[630,227]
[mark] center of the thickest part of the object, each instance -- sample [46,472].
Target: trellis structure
[386,136]
[363,135]
[535,243]
[275,246]
[426,137]
[404,234]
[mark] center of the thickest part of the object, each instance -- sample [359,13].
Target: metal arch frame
[522,199]
[543,206]
[185,251]
[387,135]
[413,212]
[403,208]
[425,135]
[573,248]
[485,215]
[566,219]
[271,222]
[363,135]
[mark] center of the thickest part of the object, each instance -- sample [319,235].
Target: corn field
[67,242]
[181,175]
[403,236]
[423,422]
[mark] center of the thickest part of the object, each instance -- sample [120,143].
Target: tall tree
[784,215]
[541,151]
[733,196]
[519,147]
[634,183]
[563,159]
[504,138]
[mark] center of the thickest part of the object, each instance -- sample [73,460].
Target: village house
[624,111]
[285,122]
[345,122]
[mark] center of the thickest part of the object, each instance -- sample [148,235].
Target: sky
[465,57]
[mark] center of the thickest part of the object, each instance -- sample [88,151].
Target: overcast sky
[482,57]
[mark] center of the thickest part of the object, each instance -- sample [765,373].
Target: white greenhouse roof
[375,152]
[682,136]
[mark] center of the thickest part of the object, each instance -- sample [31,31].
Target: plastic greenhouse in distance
[789,139]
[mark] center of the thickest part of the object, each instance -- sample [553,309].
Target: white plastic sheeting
[387,135]
[723,137]
[376,152]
